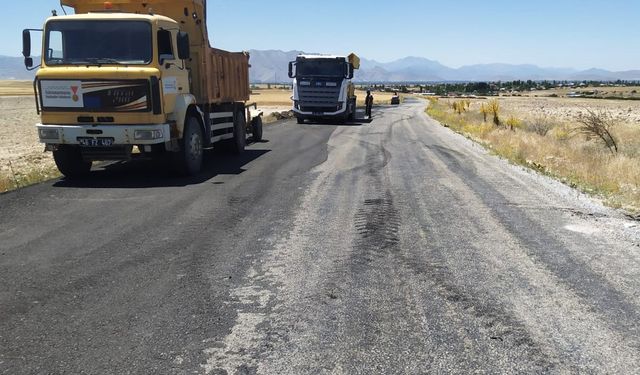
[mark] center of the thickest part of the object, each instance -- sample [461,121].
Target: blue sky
[559,33]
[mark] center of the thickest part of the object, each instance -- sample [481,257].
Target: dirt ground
[563,110]
[22,157]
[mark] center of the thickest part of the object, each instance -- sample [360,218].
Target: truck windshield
[321,68]
[98,42]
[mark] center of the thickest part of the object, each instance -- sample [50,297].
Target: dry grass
[16,88]
[622,91]
[561,153]
[272,97]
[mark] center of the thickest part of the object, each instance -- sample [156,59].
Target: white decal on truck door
[62,94]
[170,85]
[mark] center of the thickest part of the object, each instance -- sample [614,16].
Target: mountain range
[13,68]
[272,66]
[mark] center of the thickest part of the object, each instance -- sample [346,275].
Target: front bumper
[319,114]
[121,134]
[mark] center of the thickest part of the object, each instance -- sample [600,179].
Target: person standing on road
[369,104]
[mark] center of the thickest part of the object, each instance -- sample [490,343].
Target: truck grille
[318,98]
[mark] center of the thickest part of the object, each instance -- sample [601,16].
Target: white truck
[322,87]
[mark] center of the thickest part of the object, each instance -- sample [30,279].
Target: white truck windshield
[321,68]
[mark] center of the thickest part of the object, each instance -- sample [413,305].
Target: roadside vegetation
[595,151]
[25,176]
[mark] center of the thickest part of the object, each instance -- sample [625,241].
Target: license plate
[95,142]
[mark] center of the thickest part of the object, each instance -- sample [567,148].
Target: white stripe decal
[224,125]
[221,137]
[220,115]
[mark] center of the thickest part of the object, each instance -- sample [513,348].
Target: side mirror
[28,62]
[184,48]
[26,43]
[350,71]
[292,74]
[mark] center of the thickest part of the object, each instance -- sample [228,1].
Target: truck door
[174,77]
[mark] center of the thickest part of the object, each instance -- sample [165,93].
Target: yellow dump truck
[124,73]
[322,87]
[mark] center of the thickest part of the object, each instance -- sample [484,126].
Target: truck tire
[256,129]
[239,133]
[70,163]
[352,113]
[188,161]
[300,120]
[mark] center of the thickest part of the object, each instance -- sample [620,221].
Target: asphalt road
[395,247]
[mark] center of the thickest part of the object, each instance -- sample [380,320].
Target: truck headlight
[340,105]
[49,133]
[147,135]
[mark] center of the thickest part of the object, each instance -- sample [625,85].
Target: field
[11,88]
[562,109]
[608,91]
[546,137]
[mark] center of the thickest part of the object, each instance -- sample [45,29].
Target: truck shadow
[140,174]
[330,123]
[356,122]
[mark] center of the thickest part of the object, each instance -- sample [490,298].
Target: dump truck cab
[113,75]
[322,87]
[139,73]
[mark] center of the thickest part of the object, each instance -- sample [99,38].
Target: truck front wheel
[239,133]
[352,111]
[189,159]
[70,163]
[300,120]
[256,129]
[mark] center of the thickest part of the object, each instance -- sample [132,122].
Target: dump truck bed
[223,76]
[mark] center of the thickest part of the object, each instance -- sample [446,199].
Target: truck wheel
[352,113]
[300,120]
[70,163]
[256,128]
[239,133]
[189,159]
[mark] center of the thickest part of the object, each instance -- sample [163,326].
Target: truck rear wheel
[70,163]
[188,161]
[256,128]
[239,133]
